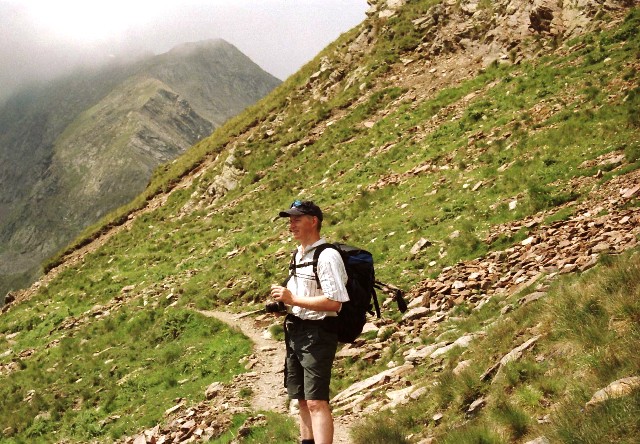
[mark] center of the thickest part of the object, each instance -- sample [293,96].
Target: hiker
[311,348]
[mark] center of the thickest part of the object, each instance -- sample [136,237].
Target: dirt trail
[268,392]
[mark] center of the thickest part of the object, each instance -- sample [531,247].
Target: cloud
[44,39]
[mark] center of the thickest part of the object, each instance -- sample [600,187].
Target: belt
[296,321]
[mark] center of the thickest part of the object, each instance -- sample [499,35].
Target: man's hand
[317,303]
[282,294]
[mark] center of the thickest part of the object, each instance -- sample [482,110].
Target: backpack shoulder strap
[292,268]
[319,249]
[316,256]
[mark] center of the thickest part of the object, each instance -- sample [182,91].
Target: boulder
[617,389]
[358,387]
[416,313]
[419,246]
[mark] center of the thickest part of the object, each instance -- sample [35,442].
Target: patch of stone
[621,387]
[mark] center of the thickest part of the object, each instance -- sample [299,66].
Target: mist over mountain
[42,41]
[486,153]
[73,149]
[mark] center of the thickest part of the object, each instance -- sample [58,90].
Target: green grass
[375,433]
[273,428]
[590,333]
[132,363]
[192,252]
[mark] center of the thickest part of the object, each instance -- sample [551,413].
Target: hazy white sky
[44,38]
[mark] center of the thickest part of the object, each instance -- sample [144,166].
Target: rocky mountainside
[486,153]
[98,136]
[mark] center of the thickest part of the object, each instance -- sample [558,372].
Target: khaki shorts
[310,353]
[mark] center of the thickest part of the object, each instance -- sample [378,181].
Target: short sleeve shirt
[332,276]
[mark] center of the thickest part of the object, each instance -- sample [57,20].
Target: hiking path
[266,365]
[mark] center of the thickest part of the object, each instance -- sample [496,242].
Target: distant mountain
[76,148]
[487,153]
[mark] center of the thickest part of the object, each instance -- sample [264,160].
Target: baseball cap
[301,207]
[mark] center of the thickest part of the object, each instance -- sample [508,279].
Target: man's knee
[317,406]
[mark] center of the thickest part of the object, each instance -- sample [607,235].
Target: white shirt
[332,276]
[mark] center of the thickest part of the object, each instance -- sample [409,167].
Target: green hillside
[98,134]
[397,142]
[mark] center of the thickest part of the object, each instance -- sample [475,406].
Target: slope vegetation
[487,153]
[98,136]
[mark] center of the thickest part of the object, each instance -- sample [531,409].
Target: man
[310,347]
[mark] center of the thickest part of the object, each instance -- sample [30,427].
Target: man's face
[302,227]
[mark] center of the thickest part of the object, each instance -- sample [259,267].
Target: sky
[42,39]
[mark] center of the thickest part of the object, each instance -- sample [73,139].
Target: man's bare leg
[321,420]
[306,428]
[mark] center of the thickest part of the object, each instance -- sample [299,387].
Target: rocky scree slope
[601,224]
[588,207]
[518,276]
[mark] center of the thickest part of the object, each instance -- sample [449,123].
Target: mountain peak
[487,155]
[154,107]
[190,47]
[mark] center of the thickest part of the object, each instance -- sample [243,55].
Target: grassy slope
[229,252]
[589,333]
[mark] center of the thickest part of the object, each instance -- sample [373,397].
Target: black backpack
[361,287]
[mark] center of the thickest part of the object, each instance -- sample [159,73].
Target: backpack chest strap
[314,263]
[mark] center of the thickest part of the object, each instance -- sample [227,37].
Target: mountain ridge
[502,195]
[96,140]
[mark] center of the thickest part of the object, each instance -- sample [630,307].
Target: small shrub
[277,332]
[86,425]
[471,389]
[632,153]
[245,392]
[170,381]
[444,394]
[175,324]
[529,396]
[386,334]
[517,372]
[513,417]
[171,353]
[476,434]
[633,108]
[379,431]
[39,428]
